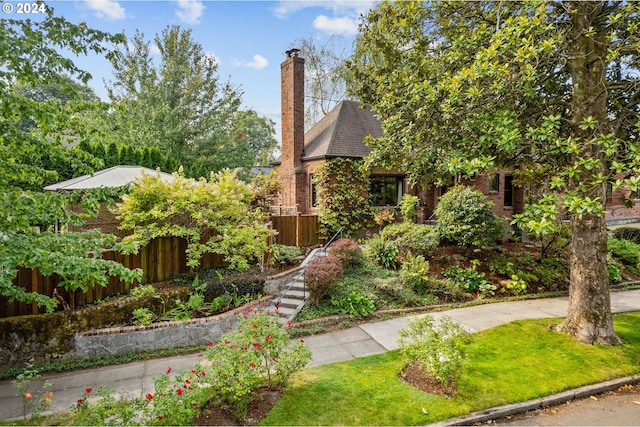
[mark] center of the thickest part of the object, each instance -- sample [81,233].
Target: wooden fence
[163,259]
[296,230]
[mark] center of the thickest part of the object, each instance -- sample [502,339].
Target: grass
[516,362]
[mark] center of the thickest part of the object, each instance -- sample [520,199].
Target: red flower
[179,391]
[301,340]
[275,360]
[80,402]
[253,365]
[149,396]
[195,405]
[226,341]
[160,418]
[210,344]
[88,389]
[256,345]
[169,370]
[187,381]
[268,338]
[203,374]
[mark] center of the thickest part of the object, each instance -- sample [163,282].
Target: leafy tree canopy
[30,58]
[179,104]
[214,216]
[548,87]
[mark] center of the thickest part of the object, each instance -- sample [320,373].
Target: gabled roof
[341,133]
[117,176]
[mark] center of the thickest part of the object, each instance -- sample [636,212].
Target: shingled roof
[341,133]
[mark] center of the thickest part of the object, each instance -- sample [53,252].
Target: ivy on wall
[343,196]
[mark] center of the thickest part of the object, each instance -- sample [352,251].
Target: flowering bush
[347,251]
[257,354]
[320,275]
[33,401]
[437,346]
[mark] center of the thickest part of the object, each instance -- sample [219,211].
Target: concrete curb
[553,400]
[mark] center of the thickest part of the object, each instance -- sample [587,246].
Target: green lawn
[511,363]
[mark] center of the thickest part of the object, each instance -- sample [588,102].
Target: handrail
[339,232]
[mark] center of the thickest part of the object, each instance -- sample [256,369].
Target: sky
[247,38]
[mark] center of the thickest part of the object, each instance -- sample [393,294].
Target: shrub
[437,346]
[408,207]
[356,304]
[257,354]
[383,252]
[320,275]
[347,251]
[614,273]
[413,273]
[466,279]
[625,251]
[284,254]
[409,237]
[465,218]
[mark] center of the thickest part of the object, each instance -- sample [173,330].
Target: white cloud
[258,63]
[344,26]
[352,8]
[190,11]
[107,9]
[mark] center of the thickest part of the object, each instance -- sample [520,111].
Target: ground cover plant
[503,367]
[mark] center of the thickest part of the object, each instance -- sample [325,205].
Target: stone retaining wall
[135,339]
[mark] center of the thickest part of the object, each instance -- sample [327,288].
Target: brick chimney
[292,171]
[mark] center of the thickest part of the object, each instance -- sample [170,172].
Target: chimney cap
[292,52]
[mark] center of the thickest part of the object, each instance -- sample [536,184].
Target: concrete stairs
[293,297]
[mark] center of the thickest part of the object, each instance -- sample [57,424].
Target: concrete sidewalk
[136,379]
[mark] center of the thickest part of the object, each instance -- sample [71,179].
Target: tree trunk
[589,315]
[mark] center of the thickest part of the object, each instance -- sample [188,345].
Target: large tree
[30,58]
[551,88]
[176,102]
[326,75]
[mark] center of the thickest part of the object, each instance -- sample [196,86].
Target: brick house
[341,133]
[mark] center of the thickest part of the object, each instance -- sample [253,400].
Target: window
[386,190]
[494,183]
[508,190]
[314,194]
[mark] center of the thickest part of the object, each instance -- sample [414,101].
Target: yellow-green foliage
[214,216]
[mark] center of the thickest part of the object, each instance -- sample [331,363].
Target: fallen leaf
[593,398]
[636,402]
[424,411]
[553,411]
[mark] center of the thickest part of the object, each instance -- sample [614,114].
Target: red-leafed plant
[320,275]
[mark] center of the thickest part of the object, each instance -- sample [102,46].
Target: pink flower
[302,341]
[28,395]
[169,370]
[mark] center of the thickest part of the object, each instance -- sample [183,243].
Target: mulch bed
[263,401]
